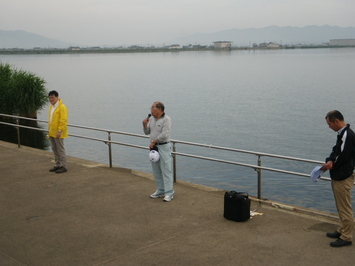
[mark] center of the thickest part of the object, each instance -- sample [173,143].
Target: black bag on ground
[236,206]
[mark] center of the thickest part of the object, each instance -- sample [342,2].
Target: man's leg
[166,169]
[61,153]
[342,194]
[55,151]
[158,178]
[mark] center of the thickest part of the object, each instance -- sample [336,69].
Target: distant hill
[27,40]
[281,35]
[240,37]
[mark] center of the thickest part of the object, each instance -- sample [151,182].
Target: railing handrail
[108,141]
[177,141]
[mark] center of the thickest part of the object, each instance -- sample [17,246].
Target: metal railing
[258,167]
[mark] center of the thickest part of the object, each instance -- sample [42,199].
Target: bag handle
[233,191]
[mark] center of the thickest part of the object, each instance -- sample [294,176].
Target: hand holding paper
[316,173]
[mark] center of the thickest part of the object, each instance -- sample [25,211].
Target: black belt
[162,143]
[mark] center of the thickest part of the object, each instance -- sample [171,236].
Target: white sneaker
[168,198]
[155,195]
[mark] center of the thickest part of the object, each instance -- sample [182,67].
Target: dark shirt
[343,157]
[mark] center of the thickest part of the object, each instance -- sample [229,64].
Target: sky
[150,22]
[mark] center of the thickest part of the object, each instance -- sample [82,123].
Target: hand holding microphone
[146,120]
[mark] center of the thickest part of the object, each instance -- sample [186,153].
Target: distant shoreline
[15,51]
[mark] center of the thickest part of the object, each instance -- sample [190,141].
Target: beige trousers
[59,152]
[342,195]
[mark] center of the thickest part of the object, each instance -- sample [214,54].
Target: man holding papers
[340,163]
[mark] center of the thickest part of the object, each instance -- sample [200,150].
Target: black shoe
[340,243]
[335,234]
[55,168]
[61,170]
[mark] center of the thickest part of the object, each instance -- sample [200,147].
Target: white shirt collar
[341,130]
[56,104]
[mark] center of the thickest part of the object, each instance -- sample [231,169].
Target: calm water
[267,101]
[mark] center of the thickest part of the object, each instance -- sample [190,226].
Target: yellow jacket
[59,121]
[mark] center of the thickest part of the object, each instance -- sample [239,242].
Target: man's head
[335,120]
[53,97]
[157,109]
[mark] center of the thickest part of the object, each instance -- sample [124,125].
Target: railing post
[109,149]
[259,177]
[18,133]
[174,162]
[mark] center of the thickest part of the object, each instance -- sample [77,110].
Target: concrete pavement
[94,215]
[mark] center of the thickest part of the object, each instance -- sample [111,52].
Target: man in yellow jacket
[57,131]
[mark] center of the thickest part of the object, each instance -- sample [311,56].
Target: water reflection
[28,137]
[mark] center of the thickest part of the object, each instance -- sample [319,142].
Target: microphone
[146,121]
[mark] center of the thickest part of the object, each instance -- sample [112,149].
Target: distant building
[137,47]
[269,45]
[263,44]
[74,48]
[222,44]
[175,46]
[273,45]
[342,42]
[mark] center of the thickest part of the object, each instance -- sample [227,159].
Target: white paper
[316,173]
